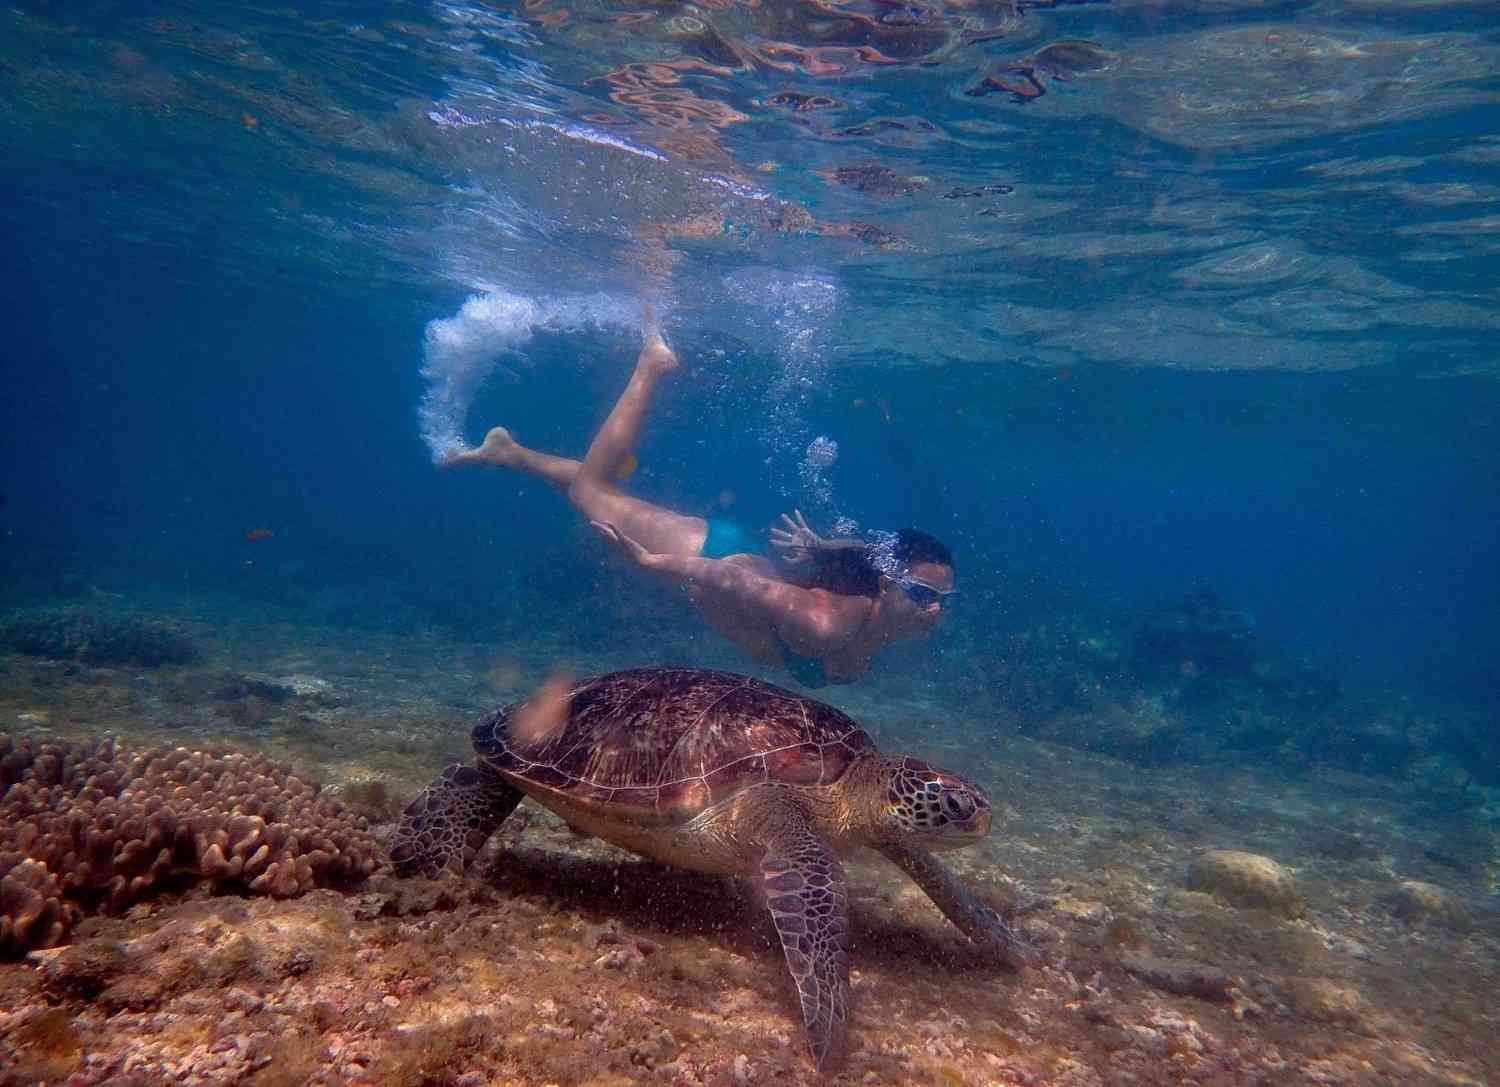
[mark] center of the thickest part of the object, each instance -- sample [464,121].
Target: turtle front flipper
[450,820]
[805,893]
[963,907]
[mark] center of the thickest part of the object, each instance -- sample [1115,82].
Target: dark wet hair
[856,572]
[847,572]
[914,545]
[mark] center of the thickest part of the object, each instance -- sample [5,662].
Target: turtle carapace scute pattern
[721,773]
[674,742]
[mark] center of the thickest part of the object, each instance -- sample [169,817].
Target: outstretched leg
[963,907]
[594,491]
[500,450]
[621,432]
[450,820]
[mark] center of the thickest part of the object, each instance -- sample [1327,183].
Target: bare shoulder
[756,564]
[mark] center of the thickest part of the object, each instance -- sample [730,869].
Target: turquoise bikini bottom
[726,537]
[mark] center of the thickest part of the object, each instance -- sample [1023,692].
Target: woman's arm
[809,620]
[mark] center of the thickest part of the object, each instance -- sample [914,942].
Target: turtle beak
[982,822]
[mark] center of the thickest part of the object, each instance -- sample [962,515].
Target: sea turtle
[717,772]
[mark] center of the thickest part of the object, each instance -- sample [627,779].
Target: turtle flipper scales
[451,819]
[804,885]
[963,907]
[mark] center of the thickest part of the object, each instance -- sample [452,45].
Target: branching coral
[98,824]
[33,912]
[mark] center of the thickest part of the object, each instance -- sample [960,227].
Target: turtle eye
[958,806]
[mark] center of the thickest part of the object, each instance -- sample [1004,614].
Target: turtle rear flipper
[450,820]
[963,907]
[805,893]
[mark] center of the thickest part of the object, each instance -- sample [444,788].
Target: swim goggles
[922,594]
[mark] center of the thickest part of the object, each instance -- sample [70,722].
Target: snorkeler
[822,614]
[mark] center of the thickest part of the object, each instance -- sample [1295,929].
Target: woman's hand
[627,546]
[795,539]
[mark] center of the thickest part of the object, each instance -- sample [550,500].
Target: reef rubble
[561,960]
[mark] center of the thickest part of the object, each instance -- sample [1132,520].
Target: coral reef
[96,637]
[1185,679]
[33,912]
[96,824]
[1246,879]
[1219,690]
[1196,634]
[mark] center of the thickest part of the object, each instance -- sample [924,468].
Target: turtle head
[943,809]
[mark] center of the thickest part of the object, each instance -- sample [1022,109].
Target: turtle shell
[666,743]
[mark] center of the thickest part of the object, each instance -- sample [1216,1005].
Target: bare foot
[498,448]
[656,358]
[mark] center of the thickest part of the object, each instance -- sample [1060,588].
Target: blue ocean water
[1223,315]
[1156,312]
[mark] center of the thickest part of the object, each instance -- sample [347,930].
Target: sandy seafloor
[561,960]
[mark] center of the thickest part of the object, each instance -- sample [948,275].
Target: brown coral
[32,910]
[1246,879]
[98,824]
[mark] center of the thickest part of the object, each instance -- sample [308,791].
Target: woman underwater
[823,613]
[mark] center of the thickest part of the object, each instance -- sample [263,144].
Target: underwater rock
[303,685]
[1246,879]
[236,687]
[96,637]
[1324,999]
[83,970]
[1180,976]
[414,896]
[370,797]
[1415,902]
[96,824]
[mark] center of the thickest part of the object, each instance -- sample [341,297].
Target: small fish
[259,534]
[627,467]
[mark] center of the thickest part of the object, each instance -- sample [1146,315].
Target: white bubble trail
[800,307]
[462,351]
